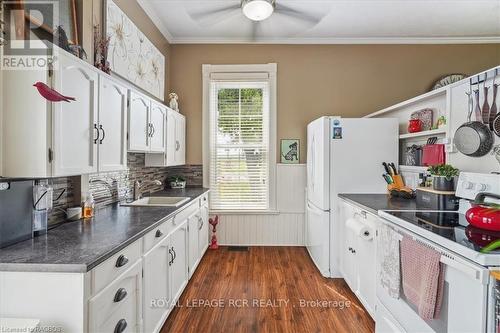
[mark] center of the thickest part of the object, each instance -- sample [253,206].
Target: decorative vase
[440,183]
[414,125]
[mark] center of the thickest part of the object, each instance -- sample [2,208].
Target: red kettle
[484,215]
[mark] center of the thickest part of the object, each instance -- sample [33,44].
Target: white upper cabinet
[180,139]
[175,144]
[75,123]
[170,158]
[112,125]
[139,129]
[158,125]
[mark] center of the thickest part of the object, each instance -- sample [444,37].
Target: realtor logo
[27,26]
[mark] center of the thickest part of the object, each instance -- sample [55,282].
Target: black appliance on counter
[16,209]
[430,199]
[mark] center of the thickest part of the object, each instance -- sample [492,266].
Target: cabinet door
[193,234]
[203,233]
[179,264]
[75,122]
[139,129]
[350,262]
[170,138]
[112,125]
[180,140]
[157,299]
[158,128]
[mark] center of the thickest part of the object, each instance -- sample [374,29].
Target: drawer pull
[158,233]
[120,295]
[120,326]
[175,254]
[121,261]
[171,257]
[200,223]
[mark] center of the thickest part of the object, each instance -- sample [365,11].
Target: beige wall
[316,80]
[92,14]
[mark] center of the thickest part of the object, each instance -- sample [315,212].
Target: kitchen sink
[158,202]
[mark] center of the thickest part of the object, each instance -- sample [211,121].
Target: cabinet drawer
[125,318]
[156,235]
[106,272]
[183,215]
[117,300]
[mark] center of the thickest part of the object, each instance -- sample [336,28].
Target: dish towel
[390,273]
[423,280]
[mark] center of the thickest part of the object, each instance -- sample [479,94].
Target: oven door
[465,297]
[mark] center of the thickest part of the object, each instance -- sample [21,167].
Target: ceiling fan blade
[209,16]
[285,10]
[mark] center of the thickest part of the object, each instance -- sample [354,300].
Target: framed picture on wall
[290,151]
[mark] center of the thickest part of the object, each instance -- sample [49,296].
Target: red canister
[414,125]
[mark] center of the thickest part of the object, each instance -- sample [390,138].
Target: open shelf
[423,133]
[410,168]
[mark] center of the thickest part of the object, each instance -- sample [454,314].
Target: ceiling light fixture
[257,10]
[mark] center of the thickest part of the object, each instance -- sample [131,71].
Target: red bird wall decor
[50,94]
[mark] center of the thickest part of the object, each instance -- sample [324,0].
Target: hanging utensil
[486,107]
[477,109]
[473,138]
[494,108]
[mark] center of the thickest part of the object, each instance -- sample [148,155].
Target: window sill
[245,212]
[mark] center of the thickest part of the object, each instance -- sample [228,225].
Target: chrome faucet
[138,185]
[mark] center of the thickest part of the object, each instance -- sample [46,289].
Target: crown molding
[148,9]
[339,40]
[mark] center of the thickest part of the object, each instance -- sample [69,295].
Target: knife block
[398,185]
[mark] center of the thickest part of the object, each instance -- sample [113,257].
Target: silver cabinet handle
[177,145]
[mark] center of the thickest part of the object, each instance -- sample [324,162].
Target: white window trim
[242,72]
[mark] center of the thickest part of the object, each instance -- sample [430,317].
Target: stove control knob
[481,187]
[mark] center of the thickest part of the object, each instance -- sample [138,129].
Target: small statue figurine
[174,103]
[213,242]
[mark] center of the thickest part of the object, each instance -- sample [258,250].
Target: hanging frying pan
[473,138]
[496,124]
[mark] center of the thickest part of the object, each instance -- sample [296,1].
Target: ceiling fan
[254,10]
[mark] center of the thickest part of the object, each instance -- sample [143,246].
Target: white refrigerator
[343,156]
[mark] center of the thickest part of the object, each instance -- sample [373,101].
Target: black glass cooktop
[453,226]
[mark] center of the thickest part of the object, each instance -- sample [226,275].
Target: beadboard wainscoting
[284,228]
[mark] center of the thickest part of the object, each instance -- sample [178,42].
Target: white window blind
[239,145]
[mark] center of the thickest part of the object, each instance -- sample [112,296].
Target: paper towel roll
[360,229]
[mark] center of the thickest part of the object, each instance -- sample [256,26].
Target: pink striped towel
[423,277]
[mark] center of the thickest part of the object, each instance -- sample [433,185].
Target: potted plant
[443,177]
[177,182]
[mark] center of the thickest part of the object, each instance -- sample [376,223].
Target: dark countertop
[375,202]
[81,245]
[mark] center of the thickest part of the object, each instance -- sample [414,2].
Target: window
[239,153]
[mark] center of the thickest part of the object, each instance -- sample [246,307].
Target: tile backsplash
[111,187]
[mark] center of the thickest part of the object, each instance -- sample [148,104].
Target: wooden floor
[275,283]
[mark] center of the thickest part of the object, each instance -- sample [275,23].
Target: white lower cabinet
[117,308]
[179,262]
[203,234]
[193,241]
[358,255]
[132,291]
[157,299]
